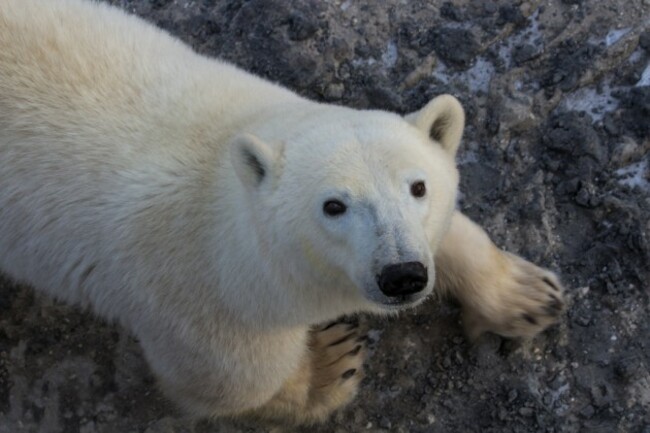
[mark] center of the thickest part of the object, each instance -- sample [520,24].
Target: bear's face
[354,202]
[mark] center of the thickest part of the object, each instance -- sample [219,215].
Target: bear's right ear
[443,120]
[252,159]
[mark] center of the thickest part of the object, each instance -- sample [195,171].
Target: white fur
[123,188]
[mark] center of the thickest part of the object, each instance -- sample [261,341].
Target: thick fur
[183,198]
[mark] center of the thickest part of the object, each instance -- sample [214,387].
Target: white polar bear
[218,216]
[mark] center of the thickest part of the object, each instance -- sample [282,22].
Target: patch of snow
[645,77]
[478,77]
[635,175]
[389,58]
[441,73]
[635,56]
[465,25]
[594,103]
[505,54]
[364,62]
[615,35]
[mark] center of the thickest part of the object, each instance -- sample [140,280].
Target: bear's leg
[328,378]
[499,292]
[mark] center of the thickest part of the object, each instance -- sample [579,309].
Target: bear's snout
[403,279]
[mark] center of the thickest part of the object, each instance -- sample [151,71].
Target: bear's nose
[403,279]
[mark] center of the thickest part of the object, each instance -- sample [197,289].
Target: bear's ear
[252,159]
[443,120]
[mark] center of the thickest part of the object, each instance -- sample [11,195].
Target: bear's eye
[334,208]
[418,189]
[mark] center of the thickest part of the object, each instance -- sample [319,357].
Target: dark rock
[601,395]
[582,315]
[524,53]
[451,12]
[301,28]
[636,111]
[628,368]
[382,97]
[587,412]
[569,63]
[571,133]
[457,47]
[611,125]
[644,40]
[489,7]
[510,14]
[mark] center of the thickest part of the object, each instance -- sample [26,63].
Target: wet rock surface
[555,165]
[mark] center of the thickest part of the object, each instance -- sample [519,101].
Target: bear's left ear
[443,120]
[252,159]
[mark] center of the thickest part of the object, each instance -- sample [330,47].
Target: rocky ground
[555,165]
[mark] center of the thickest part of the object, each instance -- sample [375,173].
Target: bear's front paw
[515,299]
[337,353]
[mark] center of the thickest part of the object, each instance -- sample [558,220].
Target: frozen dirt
[555,165]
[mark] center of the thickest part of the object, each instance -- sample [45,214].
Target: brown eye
[418,189]
[334,208]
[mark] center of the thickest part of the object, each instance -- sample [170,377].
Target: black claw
[556,303]
[553,312]
[343,339]
[362,339]
[530,319]
[548,281]
[329,325]
[352,326]
[348,374]
[354,351]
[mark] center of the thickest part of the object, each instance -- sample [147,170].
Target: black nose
[403,279]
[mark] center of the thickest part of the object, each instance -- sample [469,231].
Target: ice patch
[440,73]
[465,25]
[635,56]
[505,53]
[363,62]
[635,174]
[645,77]
[477,78]
[615,35]
[594,103]
[389,58]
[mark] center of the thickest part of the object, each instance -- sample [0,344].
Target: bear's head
[350,205]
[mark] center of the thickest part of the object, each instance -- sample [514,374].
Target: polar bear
[220,218]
